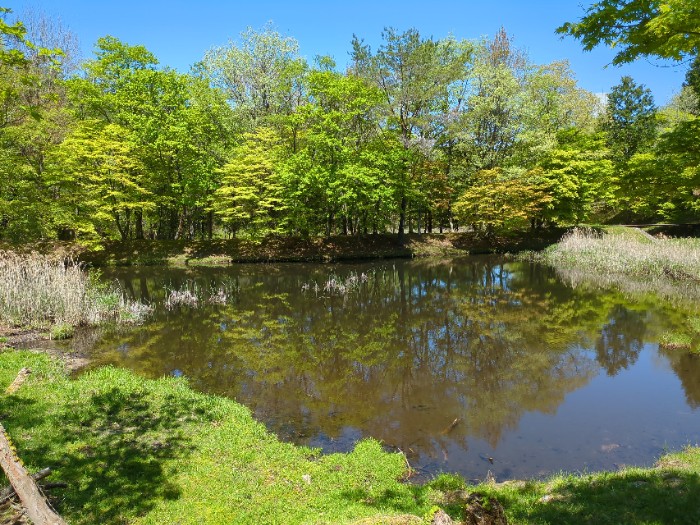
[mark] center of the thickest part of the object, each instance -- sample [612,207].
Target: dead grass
[42,291]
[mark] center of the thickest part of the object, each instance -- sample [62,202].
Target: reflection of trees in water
[620,340]
[687,367]
[414,348]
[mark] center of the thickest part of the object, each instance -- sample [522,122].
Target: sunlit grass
[628,259]
[627,252]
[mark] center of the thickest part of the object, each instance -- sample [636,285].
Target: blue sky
[179,33]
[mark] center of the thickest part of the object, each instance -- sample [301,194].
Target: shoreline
[293,249]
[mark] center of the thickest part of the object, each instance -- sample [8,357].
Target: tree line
[417,135]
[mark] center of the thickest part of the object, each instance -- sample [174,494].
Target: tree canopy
[635,28]
[419,134]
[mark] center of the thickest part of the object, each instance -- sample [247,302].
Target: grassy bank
[628,258]
[141,451]
[627,251]
[296,249]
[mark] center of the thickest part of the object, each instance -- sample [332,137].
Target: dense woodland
[417,135]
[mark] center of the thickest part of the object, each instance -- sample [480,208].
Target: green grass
[686,337]
[626,251]
[141,451]
[153,452]
[61,331]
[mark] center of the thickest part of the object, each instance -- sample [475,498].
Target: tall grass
[626,253]
[629,259]
[336,285]
[38,290]
[192,295]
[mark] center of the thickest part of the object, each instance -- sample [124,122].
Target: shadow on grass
[111,449]
[655,496]
[388,499]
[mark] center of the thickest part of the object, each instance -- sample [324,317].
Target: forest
[417,135]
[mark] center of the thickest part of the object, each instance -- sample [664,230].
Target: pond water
[468,365]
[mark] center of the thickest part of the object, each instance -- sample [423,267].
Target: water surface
[468,365]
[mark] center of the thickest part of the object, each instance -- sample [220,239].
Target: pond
[470,365]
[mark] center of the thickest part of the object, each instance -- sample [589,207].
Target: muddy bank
[297,249]
[33,340]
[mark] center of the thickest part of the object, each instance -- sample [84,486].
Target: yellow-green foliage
[500,201]
[250,191]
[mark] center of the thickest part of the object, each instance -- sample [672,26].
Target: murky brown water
[467,365]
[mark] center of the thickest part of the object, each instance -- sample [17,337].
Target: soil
[300,249]
[38,341]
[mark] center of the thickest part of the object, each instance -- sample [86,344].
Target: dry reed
[629,260]
[39,290]
[626,253]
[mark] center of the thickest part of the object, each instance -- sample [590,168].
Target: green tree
[635,28]
[250,195]
[415,76]
[631,118]
[503,200]
[491,120]
[683,106]
[262,75]
[96,178]
[692,84]
[181,126]
[669,178]
[580,179]
[33,120]
[334,177]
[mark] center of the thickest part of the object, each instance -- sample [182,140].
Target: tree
[262,76]
[631,118]
[503,200]
[669,179]
[491,119]
[692,84]
[663,28]
[250,195]
[180,124]
[580,178]
[48,33]
[415,76]
[97,178]
[333,176]
[33,120]
[514,109]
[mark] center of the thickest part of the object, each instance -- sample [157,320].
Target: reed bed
[626,252]
[192,295]
[628,259]
[39,291]
[335,285]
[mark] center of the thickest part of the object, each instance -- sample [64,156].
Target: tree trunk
[138,224]
[181,224]
[210,225]
[402,218]
[329,223]
[25,487]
